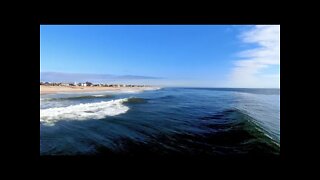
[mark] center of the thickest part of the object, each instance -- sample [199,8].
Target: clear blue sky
[182,55]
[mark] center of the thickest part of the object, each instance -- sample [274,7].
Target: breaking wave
[87,111]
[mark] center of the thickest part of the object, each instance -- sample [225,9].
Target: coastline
[61,89]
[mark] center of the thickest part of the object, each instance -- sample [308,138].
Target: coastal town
[58,87]
[89,84]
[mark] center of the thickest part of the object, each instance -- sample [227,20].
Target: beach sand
[59,89]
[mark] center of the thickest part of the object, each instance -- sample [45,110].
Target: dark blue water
[169,121]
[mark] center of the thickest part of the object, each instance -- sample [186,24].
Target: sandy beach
[59,89]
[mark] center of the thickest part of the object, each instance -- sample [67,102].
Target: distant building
[65,84]
[88,84]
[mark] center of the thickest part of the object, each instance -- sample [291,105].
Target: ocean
[206,122]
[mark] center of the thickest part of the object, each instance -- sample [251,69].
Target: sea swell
[167,122]
[235,122]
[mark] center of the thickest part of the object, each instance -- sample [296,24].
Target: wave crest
[83,111]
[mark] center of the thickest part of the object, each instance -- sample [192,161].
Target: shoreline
[62,89]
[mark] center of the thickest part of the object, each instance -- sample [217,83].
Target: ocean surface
[207,122]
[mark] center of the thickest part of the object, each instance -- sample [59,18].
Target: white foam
[152,88]
[139,90]
[99,95]
[130,91]
[83,111]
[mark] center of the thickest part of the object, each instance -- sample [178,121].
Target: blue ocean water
[168,121]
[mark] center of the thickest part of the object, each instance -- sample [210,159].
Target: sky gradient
[167,55]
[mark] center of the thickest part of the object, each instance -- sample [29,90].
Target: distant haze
[95,78]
